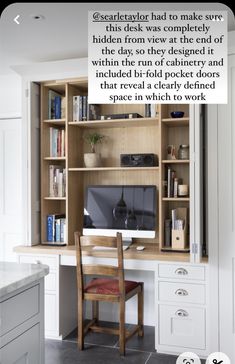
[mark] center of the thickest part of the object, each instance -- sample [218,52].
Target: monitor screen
[128,209]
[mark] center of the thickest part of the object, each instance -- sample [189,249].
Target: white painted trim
[5,116]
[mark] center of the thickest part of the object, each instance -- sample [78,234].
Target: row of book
[57,142]
[171,183]
[57,181]
[56,105]
[56,228]
[82,111]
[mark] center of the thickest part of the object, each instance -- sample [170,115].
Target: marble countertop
[17,275]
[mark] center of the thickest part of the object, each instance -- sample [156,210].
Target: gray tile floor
[103,349]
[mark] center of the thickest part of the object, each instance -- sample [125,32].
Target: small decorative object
[92,159]
[171,152]
[183,190]
[183,152]
[177,114]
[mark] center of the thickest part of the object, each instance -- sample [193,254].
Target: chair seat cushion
[108,286]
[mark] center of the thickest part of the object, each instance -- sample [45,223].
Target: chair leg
[141,311]
[80,325]
[122,331]
[95,310]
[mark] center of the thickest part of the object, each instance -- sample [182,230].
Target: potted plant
[92,159]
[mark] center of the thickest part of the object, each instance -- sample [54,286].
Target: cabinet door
[51,315]
[226,217]
[25,349]
[182,326]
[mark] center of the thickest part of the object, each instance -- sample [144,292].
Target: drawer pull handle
[181,313]
[181,292]
[181,271]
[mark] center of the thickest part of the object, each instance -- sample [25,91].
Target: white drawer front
[179,271]
[182,326]
[181,292]
[50,282]
[19,308]
[39,259]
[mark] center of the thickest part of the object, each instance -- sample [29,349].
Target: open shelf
[176,199]
[175,161]
[55,198]
[54,158]
[176,121]
[54,121]
[84,169]
[116,123]
[169,249]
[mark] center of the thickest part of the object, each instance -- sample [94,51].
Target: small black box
[138,160]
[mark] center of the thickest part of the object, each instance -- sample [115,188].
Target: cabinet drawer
[39,259]
[179,271]
[182,326]
[23,349]
[19,308]
[181,292]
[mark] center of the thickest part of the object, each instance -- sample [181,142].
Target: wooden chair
[105,289]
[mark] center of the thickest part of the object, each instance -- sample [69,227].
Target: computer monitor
[129,209]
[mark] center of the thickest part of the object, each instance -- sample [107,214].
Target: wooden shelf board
[175,161]
[55,198]
[84,169]
[176,199]
[169,249]
[54,158]
[55,121]
[116,123]
[176,121]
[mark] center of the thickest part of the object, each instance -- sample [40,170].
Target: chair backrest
[83,242]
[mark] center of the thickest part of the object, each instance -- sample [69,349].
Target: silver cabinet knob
[181,271]
[181,292]
[181,313]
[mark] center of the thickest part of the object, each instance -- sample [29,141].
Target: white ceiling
[63,32]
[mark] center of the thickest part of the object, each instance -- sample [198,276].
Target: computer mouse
[140,247]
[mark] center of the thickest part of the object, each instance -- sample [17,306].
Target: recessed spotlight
[37,17]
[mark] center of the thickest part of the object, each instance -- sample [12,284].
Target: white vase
[92,160]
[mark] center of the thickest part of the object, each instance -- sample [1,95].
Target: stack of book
[82,111]
[56,105]
[57,181]
[172,183]
[57,142]
[56,228]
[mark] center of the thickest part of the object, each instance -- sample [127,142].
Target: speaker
[138,160]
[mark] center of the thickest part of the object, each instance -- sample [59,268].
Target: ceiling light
[37,17]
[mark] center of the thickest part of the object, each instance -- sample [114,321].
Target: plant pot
[92,160]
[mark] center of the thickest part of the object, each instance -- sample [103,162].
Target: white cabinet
[22,326]
[60,295]
[181,294]
[182,326]
[24,349]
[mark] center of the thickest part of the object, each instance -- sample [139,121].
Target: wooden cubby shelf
[55,198]
[176,121]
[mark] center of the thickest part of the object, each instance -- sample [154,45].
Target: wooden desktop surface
[151,252]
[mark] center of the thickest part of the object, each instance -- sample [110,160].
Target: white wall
[10,96]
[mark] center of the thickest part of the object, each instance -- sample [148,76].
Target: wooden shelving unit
[134,135]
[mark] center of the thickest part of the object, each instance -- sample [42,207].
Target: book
[53,227]
[51,103]
[84,108]
[57,107]
[52,180]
